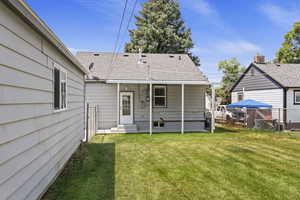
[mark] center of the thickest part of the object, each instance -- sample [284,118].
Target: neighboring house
[41,103]
[143,92]
[274,84]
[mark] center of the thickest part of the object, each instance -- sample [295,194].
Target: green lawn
[230,164]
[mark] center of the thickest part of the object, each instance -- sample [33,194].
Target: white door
[126,108]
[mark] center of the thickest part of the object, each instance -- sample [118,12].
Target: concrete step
[125,128]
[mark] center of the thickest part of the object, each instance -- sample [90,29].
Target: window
[160,96]
[297,97]
[60,89]
[240,96]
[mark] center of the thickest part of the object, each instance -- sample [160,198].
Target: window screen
[56,89]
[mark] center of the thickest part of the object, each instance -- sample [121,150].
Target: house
[274,84]
[145,92]
[41,103]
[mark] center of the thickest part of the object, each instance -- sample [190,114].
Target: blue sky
[221,29]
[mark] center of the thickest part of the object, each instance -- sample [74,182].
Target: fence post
[98,117]
[279,120]
[87,123]
[246,118]
[95,128]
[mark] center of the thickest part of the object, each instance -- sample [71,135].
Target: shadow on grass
[226,129]
[89,174]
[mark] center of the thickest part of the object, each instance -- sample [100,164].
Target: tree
[232,70]
[160,29]
[290,50]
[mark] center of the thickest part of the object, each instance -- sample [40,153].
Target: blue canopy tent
[248,103]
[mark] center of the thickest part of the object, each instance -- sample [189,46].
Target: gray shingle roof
[126,67]
[288,75]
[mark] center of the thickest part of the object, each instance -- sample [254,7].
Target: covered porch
[157,106]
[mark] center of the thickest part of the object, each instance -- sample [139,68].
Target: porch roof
[159,82]
[141,68]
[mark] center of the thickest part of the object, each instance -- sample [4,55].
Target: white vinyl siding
[273,97]
[293,110]
[35,141]
[105,96]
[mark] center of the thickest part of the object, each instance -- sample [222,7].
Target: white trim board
[159,82]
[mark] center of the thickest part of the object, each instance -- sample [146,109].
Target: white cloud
[217,50]
[107,8]
[208,11]
[281,16]
[228,48]
[237,47]
[203,8]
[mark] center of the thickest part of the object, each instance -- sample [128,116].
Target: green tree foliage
[232,70]
[290,50]
[160,29]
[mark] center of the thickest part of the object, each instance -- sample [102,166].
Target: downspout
[85,113]
[284,107]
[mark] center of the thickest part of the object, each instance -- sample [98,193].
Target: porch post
[118,104]
[213,107]
[182,108]
[150,110]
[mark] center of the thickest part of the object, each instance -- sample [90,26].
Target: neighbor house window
[240,96]
[60,89]
[297,97]
[160,96]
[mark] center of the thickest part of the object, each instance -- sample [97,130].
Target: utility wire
[128,24]
[119,32]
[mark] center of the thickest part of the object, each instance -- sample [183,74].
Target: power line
[127,27]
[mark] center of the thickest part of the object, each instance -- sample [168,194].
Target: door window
[126,105]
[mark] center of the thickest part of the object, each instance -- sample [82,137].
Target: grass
[231,164]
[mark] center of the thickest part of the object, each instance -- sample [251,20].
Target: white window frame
[61,70]
[295,95]
[155,96]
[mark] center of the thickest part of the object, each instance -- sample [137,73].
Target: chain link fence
[260,118]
